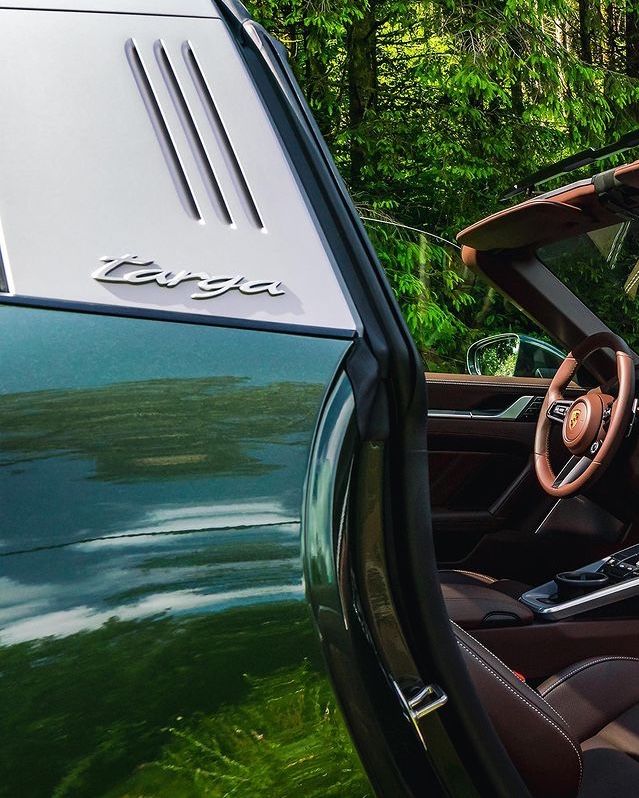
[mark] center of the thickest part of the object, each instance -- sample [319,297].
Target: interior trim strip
[511,413]
[537,598]
[547,517]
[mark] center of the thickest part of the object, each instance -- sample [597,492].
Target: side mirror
[512,355]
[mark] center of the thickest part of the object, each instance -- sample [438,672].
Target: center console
[613,579]
[550,627]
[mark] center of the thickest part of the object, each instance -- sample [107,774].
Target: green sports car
[247,550]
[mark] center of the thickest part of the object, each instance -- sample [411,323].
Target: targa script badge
[209,285]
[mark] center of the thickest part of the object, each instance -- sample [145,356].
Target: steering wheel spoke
[573,469]
[557,410]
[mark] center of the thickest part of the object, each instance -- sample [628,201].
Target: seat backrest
[534,734]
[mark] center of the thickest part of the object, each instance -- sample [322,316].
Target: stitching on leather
[486,384]
[547,450]
[524,685]
[584,666]
[481,645]
[514,384]
[488,579]
[493,673]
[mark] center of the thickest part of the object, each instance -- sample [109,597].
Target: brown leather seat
[472,579]
[577,735]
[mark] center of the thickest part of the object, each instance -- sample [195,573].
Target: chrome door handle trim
[511,413]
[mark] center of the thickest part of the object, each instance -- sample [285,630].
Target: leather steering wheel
[593,426]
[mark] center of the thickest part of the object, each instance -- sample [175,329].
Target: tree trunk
[611,36]
[632,40]
[632,48]
[585,30]
[362,84]
[486,307]
[316,84]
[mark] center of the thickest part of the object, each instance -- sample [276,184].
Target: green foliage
[445,305]
[287,739]
[434,108]
[431,288]
[164,708]
[500,359]
[197,430]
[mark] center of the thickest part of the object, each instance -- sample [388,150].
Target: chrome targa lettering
[209,285]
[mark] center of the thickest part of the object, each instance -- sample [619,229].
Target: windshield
[602,269]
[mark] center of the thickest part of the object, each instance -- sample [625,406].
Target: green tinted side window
[602,269]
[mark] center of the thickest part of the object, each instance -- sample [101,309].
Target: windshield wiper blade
[572,163]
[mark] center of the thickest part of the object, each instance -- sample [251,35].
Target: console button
[616,570]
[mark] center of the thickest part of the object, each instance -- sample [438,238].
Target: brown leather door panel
[458,478]
[485,497]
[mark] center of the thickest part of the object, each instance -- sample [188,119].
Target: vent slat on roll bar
[192,133]
[162,131]
[4,284]
[221,133]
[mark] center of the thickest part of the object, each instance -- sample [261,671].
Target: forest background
[434,108]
